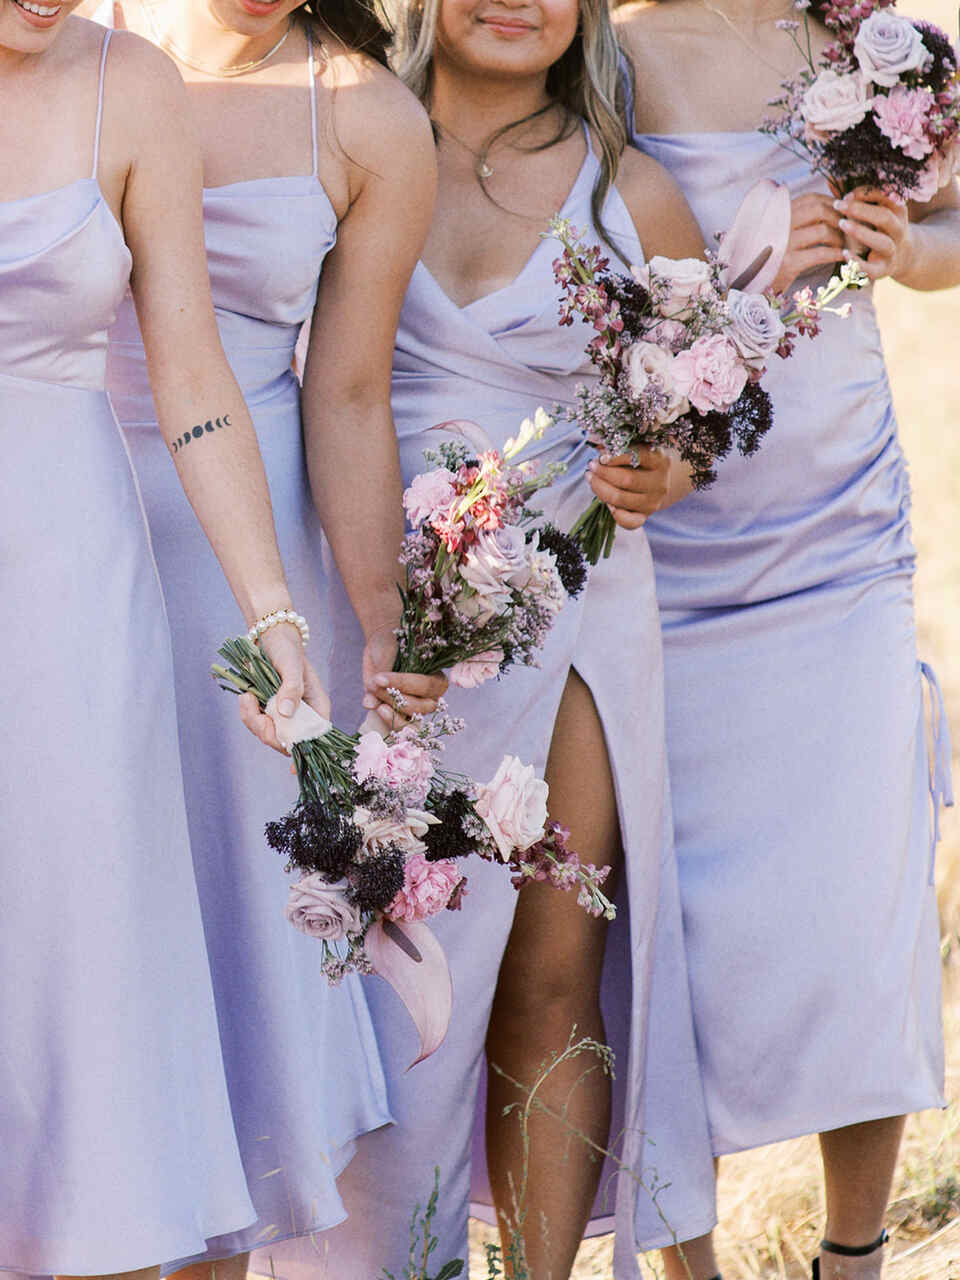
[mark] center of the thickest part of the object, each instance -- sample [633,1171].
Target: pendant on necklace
[483,169]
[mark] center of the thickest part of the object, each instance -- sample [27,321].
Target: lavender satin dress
[301,1057]
[494,361]
[118,1148]
[805,803]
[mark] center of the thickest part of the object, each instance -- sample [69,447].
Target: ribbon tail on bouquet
[410,958]
[754,246]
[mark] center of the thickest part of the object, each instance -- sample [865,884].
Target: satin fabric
[118,1142]
[301,1058]
[494,361]
[796,737]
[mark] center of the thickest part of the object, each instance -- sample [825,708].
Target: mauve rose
[380,834]
[476,671]
[688,279]
[834,103]
[371,757]
[756,329]
[499,555]
[716,372]
[429,492]
[513,804]
[888,45]
[427,888]
[321,910]
[901,115]
[647,363]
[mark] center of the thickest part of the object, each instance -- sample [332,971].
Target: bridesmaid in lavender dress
[479,338]
[118,1142]
[795,725]
[319,174]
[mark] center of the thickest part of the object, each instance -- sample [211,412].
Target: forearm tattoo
[211,425]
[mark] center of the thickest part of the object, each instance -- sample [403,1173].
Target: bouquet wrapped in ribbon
[377,835]
[880,108]
[681,346]
[484,582]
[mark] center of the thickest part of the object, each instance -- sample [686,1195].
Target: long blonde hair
[586,80]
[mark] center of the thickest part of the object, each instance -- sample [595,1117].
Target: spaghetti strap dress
[301,1059]
[118,1146]
[805,800]
[495,361]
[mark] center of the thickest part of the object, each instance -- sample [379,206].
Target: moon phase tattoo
[211,425]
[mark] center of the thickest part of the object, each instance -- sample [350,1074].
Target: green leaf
[450,1269]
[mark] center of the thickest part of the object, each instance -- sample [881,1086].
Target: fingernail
[369,701]
[846,224]
[605,459]
[385,713]
[848,254]
[591,466]
[840,205]
[381,681]
[285,707]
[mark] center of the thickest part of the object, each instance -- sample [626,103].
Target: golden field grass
[771,1203]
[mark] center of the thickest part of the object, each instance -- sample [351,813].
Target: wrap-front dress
[495,361]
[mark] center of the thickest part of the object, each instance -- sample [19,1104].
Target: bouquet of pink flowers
[484,581]
[881,107]
[680,350]
[377,834]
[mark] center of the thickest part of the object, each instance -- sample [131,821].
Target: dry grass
[771,1199]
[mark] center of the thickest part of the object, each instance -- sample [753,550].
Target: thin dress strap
[108,35]
[313,104]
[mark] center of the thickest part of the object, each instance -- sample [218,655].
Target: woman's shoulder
[658,208]
[379,121]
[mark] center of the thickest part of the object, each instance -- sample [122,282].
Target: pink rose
[427,889]
[687,279]
[409,765]
[371,758]
[428,493]
[477,670]
[649,365]
[717,374]
[321,910]
[902,114]
[513,804]
[834,103]
[888,45]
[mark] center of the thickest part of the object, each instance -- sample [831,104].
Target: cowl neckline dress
[118,1143]
[495,361]
[301,1057]
[802,787]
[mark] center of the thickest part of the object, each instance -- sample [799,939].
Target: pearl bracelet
[274,620]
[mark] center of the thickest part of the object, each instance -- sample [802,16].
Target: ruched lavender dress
[301,1058]
[118,1148]
[494,361]
[805,803]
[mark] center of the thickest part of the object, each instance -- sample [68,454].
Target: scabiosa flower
[316,837]
[373,884]
[569,557]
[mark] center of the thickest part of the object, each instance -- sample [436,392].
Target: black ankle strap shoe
[848,1250]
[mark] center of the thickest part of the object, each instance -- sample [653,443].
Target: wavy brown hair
[361,25]
[585,81]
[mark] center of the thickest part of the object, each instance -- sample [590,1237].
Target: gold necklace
[224,73]
[742,38]
[481,168]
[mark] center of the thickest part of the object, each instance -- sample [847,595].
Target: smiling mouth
[39,10]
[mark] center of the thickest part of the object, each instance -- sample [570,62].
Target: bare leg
[234,1268]
[549,982]
[858,1166]
[693,1259]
